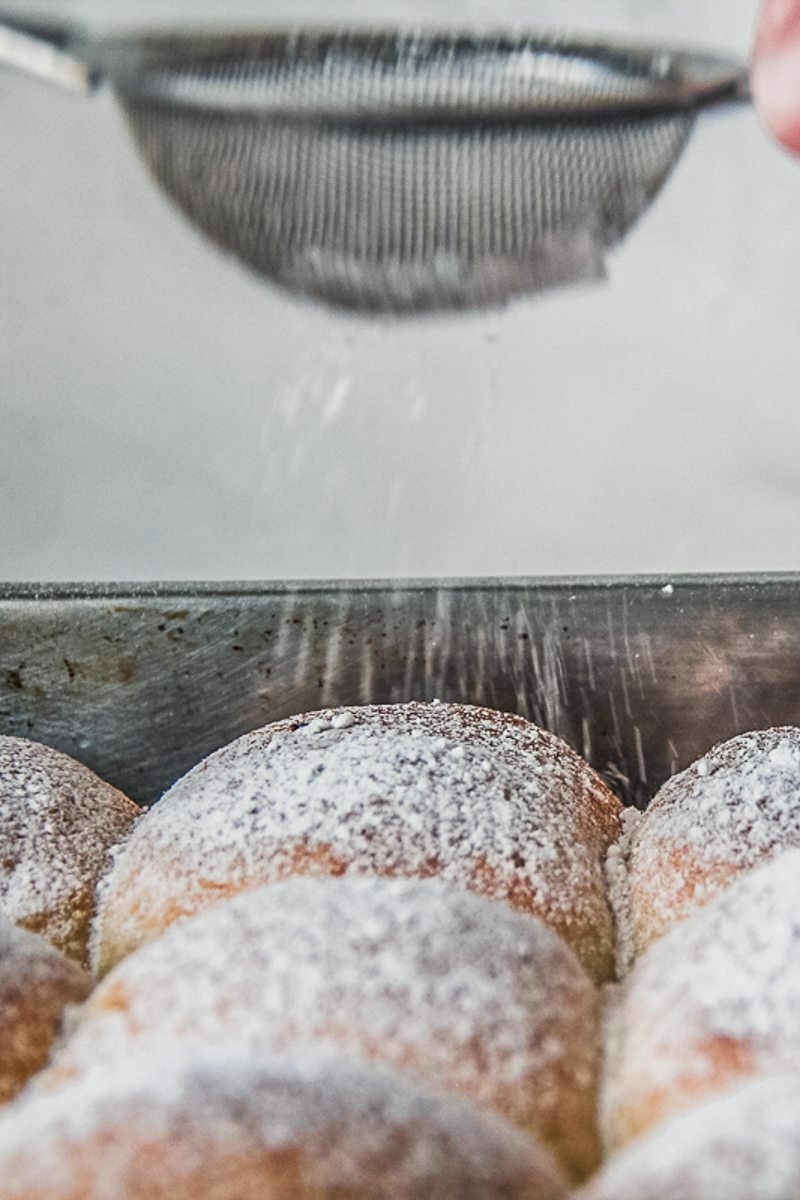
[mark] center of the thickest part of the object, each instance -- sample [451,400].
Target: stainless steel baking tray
[640,675]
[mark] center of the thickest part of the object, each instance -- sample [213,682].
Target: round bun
[36,984]
[743,1146]
[306,1127]
[481,1000]
[485,800]
[715,1001]
[58,822]
[728,812]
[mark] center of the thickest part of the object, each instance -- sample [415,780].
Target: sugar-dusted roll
[731,810]
[713,1002]
[58,822]
[302,1127]
[481,1000]
[36,984]
[484,800]
[743,1145]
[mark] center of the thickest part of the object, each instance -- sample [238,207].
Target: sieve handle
[48,52]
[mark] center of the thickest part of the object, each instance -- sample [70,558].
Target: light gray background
[166,415]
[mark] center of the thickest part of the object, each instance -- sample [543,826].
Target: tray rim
[211,589]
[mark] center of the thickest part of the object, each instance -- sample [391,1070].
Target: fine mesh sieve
[394,172]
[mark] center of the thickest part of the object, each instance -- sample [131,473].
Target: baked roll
[481,1000]
[743,1145]
[305,1127]
[484,800]
[36,984]
[725,814]
[713,1002]
[58,822]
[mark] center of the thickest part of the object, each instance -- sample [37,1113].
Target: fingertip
[775,86]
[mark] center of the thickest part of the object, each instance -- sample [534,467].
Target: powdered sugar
[57,823]
[743,1146]
[735,807]
[342,1126]
[717,998]
[480,999]
[617,861]
[486,801]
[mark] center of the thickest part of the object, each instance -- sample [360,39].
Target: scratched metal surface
[641,676]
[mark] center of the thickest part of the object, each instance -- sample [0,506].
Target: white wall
[166,415]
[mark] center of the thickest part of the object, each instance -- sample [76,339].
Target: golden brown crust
[66,925]
[58,823]
[485,800]
[308,1126]
[36,984]
[669,889]
[726,1061]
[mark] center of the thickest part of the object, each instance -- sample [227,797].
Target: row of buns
[386,912]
